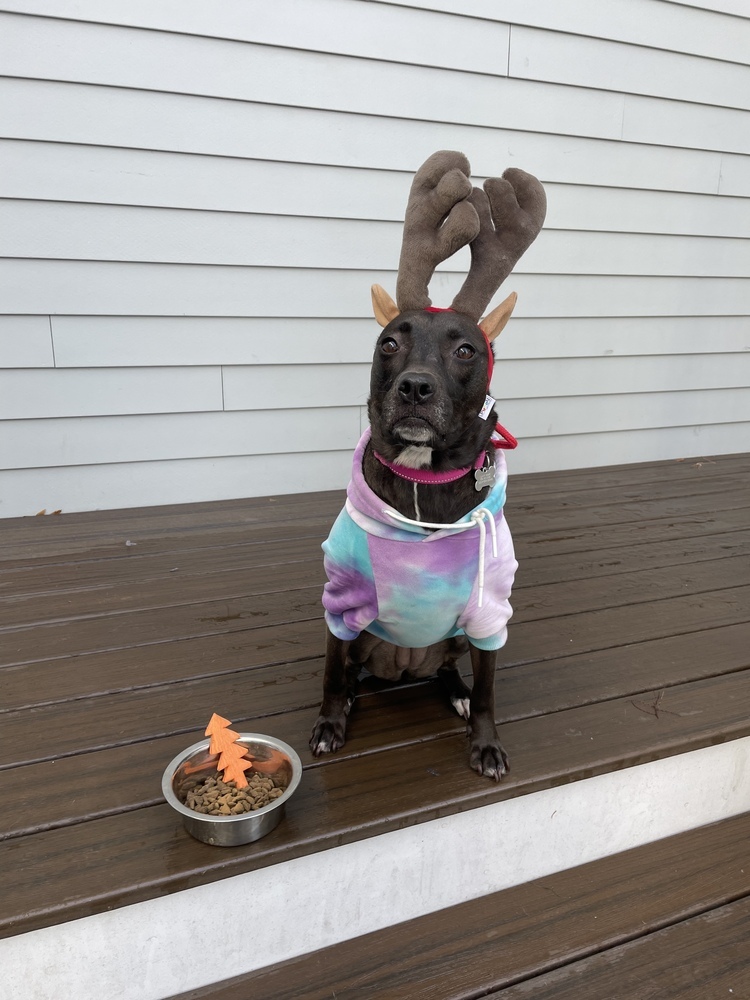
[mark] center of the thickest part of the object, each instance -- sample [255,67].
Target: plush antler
[445,213]
[439,221]
[511,211]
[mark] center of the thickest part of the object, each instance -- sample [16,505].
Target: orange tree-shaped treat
[232,759]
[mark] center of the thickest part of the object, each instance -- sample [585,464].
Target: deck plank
[703,958]
[172,592]
[113,572]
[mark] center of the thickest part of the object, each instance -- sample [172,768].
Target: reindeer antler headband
[445,213]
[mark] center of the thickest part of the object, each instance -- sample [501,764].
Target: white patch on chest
[415,457]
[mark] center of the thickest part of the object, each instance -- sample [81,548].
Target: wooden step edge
[521,932]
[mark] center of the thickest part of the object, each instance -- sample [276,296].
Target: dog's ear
[494,322]
[383,306]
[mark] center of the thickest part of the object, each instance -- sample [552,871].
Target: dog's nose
[415,387]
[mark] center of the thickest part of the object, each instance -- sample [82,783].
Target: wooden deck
[121,631]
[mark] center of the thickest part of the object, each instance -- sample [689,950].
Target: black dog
[406,559]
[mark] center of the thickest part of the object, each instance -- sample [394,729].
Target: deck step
[675,912]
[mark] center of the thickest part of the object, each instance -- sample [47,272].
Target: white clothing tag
[489,402]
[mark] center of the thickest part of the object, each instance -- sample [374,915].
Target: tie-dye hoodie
[412,586]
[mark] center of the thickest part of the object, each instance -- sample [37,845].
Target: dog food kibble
[214,797]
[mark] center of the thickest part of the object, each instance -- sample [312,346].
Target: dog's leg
[485,755]
[457,691]
[338,695]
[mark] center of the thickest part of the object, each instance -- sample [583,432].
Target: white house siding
[197,197]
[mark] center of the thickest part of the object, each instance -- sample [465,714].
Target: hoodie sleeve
[349,597]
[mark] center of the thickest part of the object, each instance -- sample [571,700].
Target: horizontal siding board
[597,376]
[620,210]
[74,173]
[737,7]
[103,288]
[94,341]
[558,57]
[566,415]
[368,30]
[58,230]
[106,487]
[25,342]
[269,387]
[37,229]
[28,444]
[278,386]
[61,112]
[110,341]
[563,337]
[544,454]
[124,57]
[70,392]
[677,123]
[641,22]
[735,171]
[101,232]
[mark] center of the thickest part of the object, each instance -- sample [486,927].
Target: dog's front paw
[327,735]
[489,759]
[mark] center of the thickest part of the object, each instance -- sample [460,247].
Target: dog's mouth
[413,430]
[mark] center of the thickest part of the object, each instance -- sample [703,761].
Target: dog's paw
[489,760]
[327,735]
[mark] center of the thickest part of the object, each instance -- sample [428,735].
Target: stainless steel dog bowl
[196,763]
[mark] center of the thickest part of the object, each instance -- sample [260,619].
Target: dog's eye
[389,346]
[465,352]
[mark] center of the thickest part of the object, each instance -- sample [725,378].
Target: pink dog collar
[425,477]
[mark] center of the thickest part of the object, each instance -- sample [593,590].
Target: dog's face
[428,382]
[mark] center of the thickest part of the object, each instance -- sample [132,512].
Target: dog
[420,562]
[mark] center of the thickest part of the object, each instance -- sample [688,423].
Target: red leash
[508,441]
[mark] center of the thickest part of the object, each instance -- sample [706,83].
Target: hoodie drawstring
[478,518]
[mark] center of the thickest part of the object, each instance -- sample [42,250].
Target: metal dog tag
[484,477]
